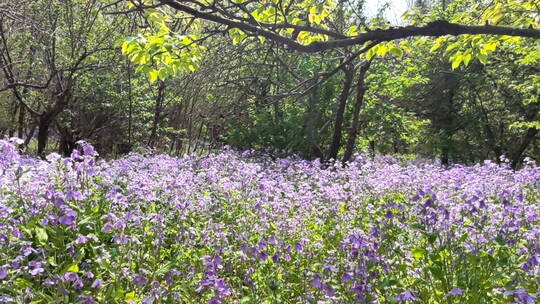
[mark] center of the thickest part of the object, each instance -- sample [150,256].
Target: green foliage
[161,52]
[466,48]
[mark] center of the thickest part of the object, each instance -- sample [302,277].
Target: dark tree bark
[43,134]
[48,116]
[157,114]
[20,123]
[338,120]
[312,131]
[361,89]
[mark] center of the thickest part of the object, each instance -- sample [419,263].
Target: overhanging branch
[433,29]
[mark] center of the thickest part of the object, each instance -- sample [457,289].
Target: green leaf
[453,46]
[352,31]
[381,50]
[418,253]
[482,58]
[153,74]
[467,58]
[165,268]
[130,297]
[438,43]
[41,235]
[73,268]
[456,60]
[489,47]
[163,73]
[398,52]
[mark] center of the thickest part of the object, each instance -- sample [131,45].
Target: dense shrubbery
[230,228]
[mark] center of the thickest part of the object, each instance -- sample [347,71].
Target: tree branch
[432,29]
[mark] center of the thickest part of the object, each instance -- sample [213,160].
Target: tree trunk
[20,129]
[361,89]
[67,140]
[44,124]
[446,147]
[29,136]
[311,127]
[338,121]
[157,114]
[48,116]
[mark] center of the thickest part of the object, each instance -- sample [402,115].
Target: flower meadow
[235,228]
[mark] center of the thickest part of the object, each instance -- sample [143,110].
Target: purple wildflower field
[234,228]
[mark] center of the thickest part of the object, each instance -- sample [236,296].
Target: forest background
[173,77]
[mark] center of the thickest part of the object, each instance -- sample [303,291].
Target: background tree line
[130,75]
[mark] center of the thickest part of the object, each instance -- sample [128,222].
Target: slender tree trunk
[67,140]
[338,121]
[20,129]
[13,120]
[446,147]
[311,127]
[29,136]
[44,124]
[361,89]
[157,114]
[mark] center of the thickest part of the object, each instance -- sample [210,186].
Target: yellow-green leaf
[153,74]
[438,43]
[467,58]
[453,46]
[41,235]
[398,52]
[456,60]
[418,253]
[130,297]
[352,31]
[73,268]
[490,46]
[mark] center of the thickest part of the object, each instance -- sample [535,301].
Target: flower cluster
[238,228]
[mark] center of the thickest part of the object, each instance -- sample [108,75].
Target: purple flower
[78,284]
[222,289]
[81,240]
[407,295]
[70,276]
[147,300]
[140,280]
[107,227]
[214,300]
[456,292]
[328,290]
[316,282]
[17,233]
[74,195]
[3,273]
[347,276]
[330,267]
[522,296]
[97,284]
[28,251]
[88,149]
[121,225]
[36,271]
[68,218]
[75,154]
